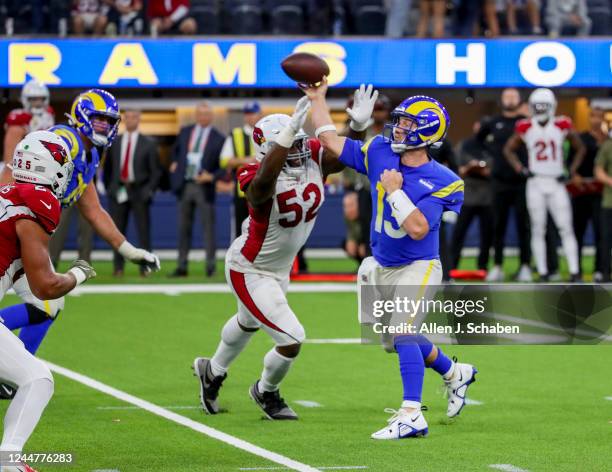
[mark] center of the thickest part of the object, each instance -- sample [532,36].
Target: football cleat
[402,425]
[524,274]
[456,387]
[209,385]
[496,274]
[272,404]
[7,392]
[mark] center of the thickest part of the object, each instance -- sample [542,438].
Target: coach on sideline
[194,170]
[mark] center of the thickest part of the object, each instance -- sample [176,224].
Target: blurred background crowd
[393,18]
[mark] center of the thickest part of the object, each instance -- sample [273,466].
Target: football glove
[82,271]
[363,106]
[526,173]
[147,260]
[299,115]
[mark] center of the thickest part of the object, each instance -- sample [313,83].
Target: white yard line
[132,407]
[469,401]
[507,468]
[331,467]
[609,398]
[182,420]
[308,403]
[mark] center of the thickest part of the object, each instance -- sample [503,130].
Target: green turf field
[543,408]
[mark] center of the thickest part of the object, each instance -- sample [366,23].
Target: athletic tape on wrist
[323,129]
[401,205]
[79,275]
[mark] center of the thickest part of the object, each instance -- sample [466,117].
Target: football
[305,68]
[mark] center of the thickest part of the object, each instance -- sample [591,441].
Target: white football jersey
[273,234]
[545,144]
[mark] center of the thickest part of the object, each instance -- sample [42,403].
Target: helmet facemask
[402,132]
[298,156]
[542,111]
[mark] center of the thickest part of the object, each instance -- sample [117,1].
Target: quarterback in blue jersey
[410,192]
[93,125]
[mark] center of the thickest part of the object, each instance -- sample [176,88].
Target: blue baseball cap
[251,107]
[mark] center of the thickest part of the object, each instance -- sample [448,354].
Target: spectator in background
[170,17]
[475,170]
[586,198]
[89,16]
[603,173]
[431,11]
[397,17]
[465,16]
[131,173]
[125,17]
[600,13]
[567,13]
[508,187]
[194,169]
[238,151]
[531,7]
[353,244]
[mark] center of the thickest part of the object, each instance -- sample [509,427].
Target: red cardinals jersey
[545,144]
[32,122]
[164,8]
[274,233]
[22,201]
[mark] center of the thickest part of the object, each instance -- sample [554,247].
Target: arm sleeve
[354,155]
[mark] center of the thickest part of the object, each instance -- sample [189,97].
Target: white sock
[233,341]
[24,412]
[276,367]
[411,404]
[451,372]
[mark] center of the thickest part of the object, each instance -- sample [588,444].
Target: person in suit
[194,170]
[131,175]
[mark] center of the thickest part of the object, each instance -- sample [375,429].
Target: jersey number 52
[294,210]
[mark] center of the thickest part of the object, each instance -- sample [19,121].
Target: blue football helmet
[91,104]
[418,121]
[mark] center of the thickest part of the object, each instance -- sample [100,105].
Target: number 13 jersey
[545,144]
[273,233]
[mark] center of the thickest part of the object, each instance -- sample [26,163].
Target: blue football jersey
[84,166]
[432,187]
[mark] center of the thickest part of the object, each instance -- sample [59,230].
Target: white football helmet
[34,89]
[543,104]
[265,133]
[43,158]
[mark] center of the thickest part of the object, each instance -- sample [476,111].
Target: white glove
[286,136]
[148,260]
[82,271]
[299,115]
[363,106]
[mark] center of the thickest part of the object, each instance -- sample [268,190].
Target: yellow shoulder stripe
[456,186]
[364,149]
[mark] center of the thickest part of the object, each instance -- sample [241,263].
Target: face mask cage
[298,156]
[410,138]
[541,110]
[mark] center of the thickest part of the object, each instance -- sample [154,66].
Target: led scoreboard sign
[166,63]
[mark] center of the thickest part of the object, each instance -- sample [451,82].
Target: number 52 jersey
[273,234]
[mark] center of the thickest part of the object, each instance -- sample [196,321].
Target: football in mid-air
[305,68]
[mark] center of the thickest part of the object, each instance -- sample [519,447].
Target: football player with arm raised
[410,191]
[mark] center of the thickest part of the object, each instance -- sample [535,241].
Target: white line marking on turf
[609,398]
[308,403]
[469,401]
[106,470]
[178,407]
[331,467]
[182,420]
[507,468]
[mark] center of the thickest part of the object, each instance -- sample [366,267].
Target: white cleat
[456,388]
[402,425]
[524,274]
[496,274]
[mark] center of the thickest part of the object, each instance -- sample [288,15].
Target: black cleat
[576,278]
[272,404]
[209,385]
[7,392]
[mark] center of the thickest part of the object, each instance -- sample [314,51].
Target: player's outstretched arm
[102,223]
[325,129]
[407,215]
[45,283]
[510,153]
[262,187]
